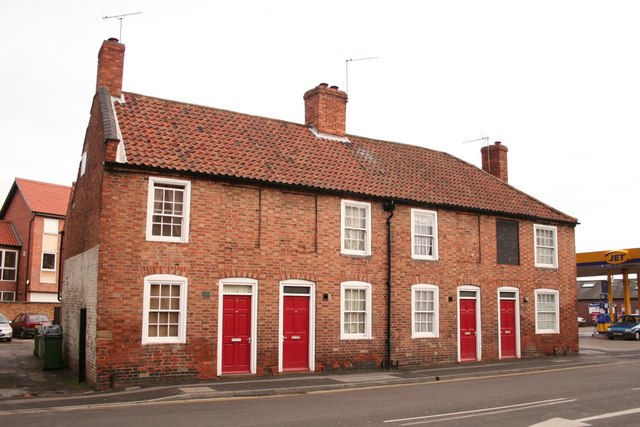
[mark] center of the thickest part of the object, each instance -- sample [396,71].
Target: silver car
[6,333]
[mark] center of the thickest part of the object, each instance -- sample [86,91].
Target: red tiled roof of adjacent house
[191,138]
[8,236]
[45,198]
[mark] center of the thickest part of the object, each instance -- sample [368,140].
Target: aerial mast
[121,18]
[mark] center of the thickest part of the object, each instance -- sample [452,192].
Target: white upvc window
[424,311]
[424,234]
[355,310]
[7,296]
[50,244]
[547,311]
[164,309]
[8,264]
[49,261]
[355,230]
[546,246]
[168,208]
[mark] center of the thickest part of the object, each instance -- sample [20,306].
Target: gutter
[389,206]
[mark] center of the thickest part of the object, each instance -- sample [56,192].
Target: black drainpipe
[60,264]
[389,207]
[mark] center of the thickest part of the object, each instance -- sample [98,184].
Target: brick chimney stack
[325,108]
[110,66]
[494,160]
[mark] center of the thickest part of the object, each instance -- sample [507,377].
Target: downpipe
[390,207]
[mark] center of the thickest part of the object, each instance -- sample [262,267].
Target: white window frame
[436,311]
[182,322]
[434,215]
[556,293]
[356,285]
[83,163]
[3,293]
[367,237]
[3,267]
[55,260]
[537,227]
[186,210]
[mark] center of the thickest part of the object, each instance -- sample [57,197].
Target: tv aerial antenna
[121,18]
[484,138]
[347,68]
[486,143]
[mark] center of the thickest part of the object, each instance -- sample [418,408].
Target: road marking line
[611,415]
[562,422]
[474,412]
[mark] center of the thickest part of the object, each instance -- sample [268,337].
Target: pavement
[25,385]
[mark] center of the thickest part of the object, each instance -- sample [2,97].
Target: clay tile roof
[44,198]
[183,137]
[8,235]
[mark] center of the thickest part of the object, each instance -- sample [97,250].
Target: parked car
[581,321]
[6,332]
[25,324]
[627,326]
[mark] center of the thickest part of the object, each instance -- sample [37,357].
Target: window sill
[355,338]
[157,240]
[425,259]
[350,255]
[546,267]
[163,342]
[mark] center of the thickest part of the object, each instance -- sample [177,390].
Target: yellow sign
[617,257]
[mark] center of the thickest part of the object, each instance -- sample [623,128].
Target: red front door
[236,334]
[295,329]
[468,330]
[507,328]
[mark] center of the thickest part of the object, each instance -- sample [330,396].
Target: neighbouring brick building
[593,298]
[31,220]
[202,242]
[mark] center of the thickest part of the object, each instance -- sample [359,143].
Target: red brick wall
[12,309]
[81,228]
[271,235]
[20,215]
[81,248]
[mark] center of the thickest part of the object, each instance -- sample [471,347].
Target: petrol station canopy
[612,262]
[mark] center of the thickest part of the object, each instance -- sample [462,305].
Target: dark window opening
[508,242]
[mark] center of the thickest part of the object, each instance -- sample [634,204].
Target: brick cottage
[202,242]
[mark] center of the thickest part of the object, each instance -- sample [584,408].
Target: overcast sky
[558,82]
